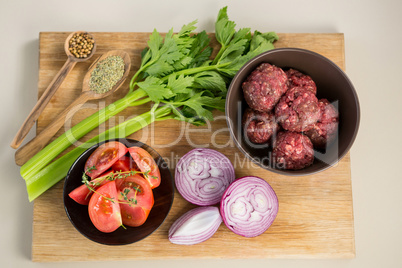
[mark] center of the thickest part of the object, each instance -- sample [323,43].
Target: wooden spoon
[50,90]
[36,144]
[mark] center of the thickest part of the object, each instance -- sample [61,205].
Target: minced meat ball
[297,110]
[264,87]
[326,129]
[259,126]
[299,79]
[292,150]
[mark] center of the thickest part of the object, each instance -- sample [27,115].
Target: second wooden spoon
[23,154]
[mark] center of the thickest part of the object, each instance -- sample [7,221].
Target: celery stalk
[57,170]
[47,154]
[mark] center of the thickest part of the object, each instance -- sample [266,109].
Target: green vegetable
[177,74]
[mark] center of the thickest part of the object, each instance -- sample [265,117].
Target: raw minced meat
[325,131]
[292,150]
[259,126]
[297,110]
[299,79]
[264,87]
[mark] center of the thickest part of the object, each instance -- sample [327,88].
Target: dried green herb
[106,74]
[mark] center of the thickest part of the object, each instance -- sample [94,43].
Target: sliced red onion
[195,226]
[202,176]
[249,206]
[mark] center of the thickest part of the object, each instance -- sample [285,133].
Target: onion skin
[195,226]
[202,176]
[249,206]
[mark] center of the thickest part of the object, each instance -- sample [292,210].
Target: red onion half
[202,176]
[249,206]
[195,226]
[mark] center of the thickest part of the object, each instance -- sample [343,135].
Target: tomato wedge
[147,165]
[125,163]
[82,194]
[104,157]
[136,199]
[104,209]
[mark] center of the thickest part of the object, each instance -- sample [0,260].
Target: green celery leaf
[181,84]
[200,49]
[154,43]
[243,33]
[233,51]
[176,52]
[211,80]
[188,115]
[155,89]
[224,28]
[237,46]
[169,53]
[187,29]
[182,63]
[202,105]
[258,44]
[202,58]
[159,69]
[269,37]
[260,38]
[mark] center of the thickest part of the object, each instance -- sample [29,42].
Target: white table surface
[373,50]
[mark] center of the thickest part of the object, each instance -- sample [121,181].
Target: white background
[373,45]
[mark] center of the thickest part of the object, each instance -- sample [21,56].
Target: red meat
[298,79]
[264,87]
[292,150]
[325,131]
[297,110]
[259,126]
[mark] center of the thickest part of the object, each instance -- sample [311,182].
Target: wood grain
[315,218]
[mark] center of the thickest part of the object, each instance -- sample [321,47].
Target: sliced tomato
[104,157]
[125,163]
[82,194]
[104,209]
[136,200]
[147,165]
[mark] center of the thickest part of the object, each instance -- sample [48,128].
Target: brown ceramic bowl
[332,84]
[78,214]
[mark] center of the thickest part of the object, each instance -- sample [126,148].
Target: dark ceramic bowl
[78,214]
[332,84]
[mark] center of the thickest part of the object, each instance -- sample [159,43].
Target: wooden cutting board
[315,217]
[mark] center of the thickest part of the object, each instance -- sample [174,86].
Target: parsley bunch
[177,74]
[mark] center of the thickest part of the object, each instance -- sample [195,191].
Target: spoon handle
[42,102]
[23,154]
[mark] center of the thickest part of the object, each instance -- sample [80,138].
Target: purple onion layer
[195,226]
[202,176]
[249,206]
